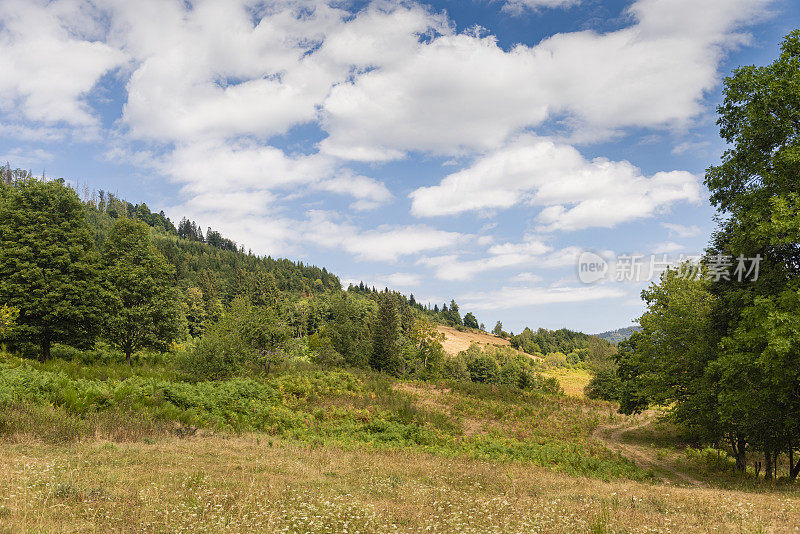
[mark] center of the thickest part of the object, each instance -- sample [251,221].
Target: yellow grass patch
[455,341]
[572,380]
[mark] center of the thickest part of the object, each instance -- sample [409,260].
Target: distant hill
[620,334]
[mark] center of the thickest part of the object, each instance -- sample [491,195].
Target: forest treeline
[98,272]
[722,352]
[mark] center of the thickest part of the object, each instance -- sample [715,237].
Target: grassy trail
[663,465]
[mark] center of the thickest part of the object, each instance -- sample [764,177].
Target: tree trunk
[794,469]
[45,349]
[767,465]
[128,352]
[739,447]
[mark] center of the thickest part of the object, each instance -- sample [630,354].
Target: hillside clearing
[572,380]
[456,340]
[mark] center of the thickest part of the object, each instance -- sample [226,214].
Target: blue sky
[469,150]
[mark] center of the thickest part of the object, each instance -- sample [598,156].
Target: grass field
[111,447]
[251,483]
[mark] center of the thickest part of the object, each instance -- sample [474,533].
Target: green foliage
[498,329]
[386,349]
[144,308]
[194,309]
[247,338]
[8,318]
[336,407]
[470,321]
[48,266]
[483,369]
[723,353]
[324,352]
[604,385]
[349,327]
[502,366]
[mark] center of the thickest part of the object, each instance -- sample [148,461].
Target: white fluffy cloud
[681,230]
[574,193]
[50,59]
[531,253]
[520,6]
[225,69]
[463,92]
[385,243]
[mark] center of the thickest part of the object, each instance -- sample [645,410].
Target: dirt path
[645,457]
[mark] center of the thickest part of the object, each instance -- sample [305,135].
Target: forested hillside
[620,334]
[100,273]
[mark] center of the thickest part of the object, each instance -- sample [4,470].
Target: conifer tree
[386,342]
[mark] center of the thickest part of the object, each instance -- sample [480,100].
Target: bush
[556,359]
[604,385]
[483,369]
[323,352]
[455,369]
[247,338]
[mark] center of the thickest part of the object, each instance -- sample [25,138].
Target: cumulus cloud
[369,193]
[385,243]
[681,230]
[520,6]
[522,297]
[51,58]
[464,92]
[667,247]
[529,253]
[574,193]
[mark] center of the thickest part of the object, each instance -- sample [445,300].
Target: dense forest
[620,334]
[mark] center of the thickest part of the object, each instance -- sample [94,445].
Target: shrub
[604,385]
[246,338]
[483,369]
[555,359]
[455,369]
[323,352]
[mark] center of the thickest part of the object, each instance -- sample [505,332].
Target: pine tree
[385,347]
[48,265]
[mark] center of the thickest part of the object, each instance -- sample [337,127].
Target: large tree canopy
[48,267]
[724,353]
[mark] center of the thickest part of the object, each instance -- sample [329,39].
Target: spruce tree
[386,342]
[48,265]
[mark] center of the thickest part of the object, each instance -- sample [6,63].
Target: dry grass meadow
[492,460]
[249,483]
